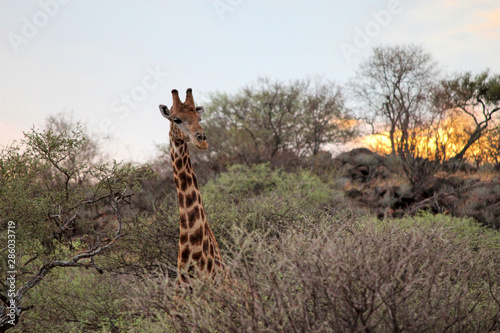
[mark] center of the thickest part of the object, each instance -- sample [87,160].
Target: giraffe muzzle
[201,137]
[201,141]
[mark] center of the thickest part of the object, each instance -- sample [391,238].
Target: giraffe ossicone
[199,255]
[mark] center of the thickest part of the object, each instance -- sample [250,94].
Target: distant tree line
[399,92]
[268,119]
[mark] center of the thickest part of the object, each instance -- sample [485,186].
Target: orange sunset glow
[444,141]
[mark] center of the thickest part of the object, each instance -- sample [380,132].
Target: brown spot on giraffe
[182,180]
[181,199]
[194,215]
[196,237]
[199,253]
[183,238]
[210,265]
[189,180]
[201,263]
[191,198]
[178,164]
[185,254]
[183,221]
[196,256]
[191,270]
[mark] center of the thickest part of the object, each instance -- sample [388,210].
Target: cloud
[488,24]
[452,4]
[458,20]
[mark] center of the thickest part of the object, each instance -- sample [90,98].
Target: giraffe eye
[177,121]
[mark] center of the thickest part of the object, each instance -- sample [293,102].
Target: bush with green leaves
[258,197]
[75,300]
[66,210]
[277,121]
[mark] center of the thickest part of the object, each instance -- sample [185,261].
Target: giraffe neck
[198,249]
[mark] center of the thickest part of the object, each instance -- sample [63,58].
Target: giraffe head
[185,120]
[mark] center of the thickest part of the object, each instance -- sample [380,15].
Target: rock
[426,204]
[405,200]
[381,172]
[419,192]
[354,156]
[427,188]
[450,202]
[398,213]
[362,165]
[353,193]
[395,191]
[360,172]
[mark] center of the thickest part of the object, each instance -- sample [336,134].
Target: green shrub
[247,181]
[65,209]
[259,198]
[151,239]
[72,300]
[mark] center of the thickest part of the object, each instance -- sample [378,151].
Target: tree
[394,90]
[491,147]
[269,118]
[326,120]
[49,196]
[478,97]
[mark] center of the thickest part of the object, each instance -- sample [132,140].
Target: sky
[108,64]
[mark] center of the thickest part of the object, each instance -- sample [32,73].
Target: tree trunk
[404,134]
[391,137]
[476,135]
[6,321]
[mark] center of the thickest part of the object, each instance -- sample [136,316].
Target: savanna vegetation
[401,238]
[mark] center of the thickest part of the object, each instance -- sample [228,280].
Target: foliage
[75,301]
[53,195]
[244,181]
[259,198]
[421,118]
[444,139]
[429,273]
[478,97]
[298,262]
[393,87]
[419,169]
[151,243]
[270,119]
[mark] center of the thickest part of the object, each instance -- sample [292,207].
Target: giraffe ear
[165,112]
[200,109]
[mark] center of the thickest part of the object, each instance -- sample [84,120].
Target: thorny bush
[422,274]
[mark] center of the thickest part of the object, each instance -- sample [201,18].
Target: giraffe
[199,253]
